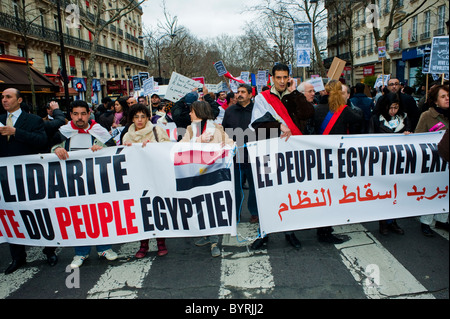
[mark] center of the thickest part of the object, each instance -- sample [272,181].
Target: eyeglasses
[394,84]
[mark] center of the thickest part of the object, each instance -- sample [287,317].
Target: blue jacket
[364,103]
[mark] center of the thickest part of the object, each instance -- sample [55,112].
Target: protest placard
[148,86]
[382,80]
[317,181]
[439,59]
[111,196]
[179,86]
[317,82]
[303,36]
[220,68]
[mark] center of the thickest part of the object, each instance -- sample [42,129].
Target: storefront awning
[13,74]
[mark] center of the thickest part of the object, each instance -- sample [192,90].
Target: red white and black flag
[201,167]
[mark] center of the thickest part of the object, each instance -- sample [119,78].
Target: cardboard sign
[336,69]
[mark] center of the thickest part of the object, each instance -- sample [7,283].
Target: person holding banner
[141,130]
[334,118]
[408,102]
[204,130]
[390,118]
[286,111]
[21,133]
[82,133]
[436,118]
[181,110]
[282,107]
[235,122]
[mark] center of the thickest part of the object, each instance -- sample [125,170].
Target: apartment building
[405,45]
[119,51]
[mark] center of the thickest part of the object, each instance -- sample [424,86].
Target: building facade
[405,45]
[119,48]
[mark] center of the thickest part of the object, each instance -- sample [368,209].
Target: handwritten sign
[179,86]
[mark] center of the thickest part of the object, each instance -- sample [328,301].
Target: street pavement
[367,266]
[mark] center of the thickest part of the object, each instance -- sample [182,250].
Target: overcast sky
[202,18]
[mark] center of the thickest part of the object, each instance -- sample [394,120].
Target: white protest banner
[117,195]
[316,181]
[317,82]
[179,86]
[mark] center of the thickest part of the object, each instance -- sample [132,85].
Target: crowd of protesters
[207,117]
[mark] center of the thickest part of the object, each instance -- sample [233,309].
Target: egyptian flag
[268,107]
[199,167]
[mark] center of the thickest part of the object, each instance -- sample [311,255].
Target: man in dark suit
[21,133]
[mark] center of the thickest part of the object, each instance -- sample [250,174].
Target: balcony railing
[36,31]
[425,35]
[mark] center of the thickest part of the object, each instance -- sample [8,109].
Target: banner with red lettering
[317,181]
[117,195]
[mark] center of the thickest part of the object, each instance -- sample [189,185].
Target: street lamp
[128,72]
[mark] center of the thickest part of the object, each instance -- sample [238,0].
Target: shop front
[14,74]
[118,88]
[413,60]
[79,84]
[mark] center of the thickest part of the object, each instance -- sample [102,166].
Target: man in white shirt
[82,133]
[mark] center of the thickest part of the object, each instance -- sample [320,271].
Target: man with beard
[79,134]
[235,122]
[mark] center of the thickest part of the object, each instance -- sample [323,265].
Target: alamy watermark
[73,279]
[373,16]
[73,19]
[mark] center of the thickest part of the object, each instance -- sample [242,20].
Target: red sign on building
[369,70]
